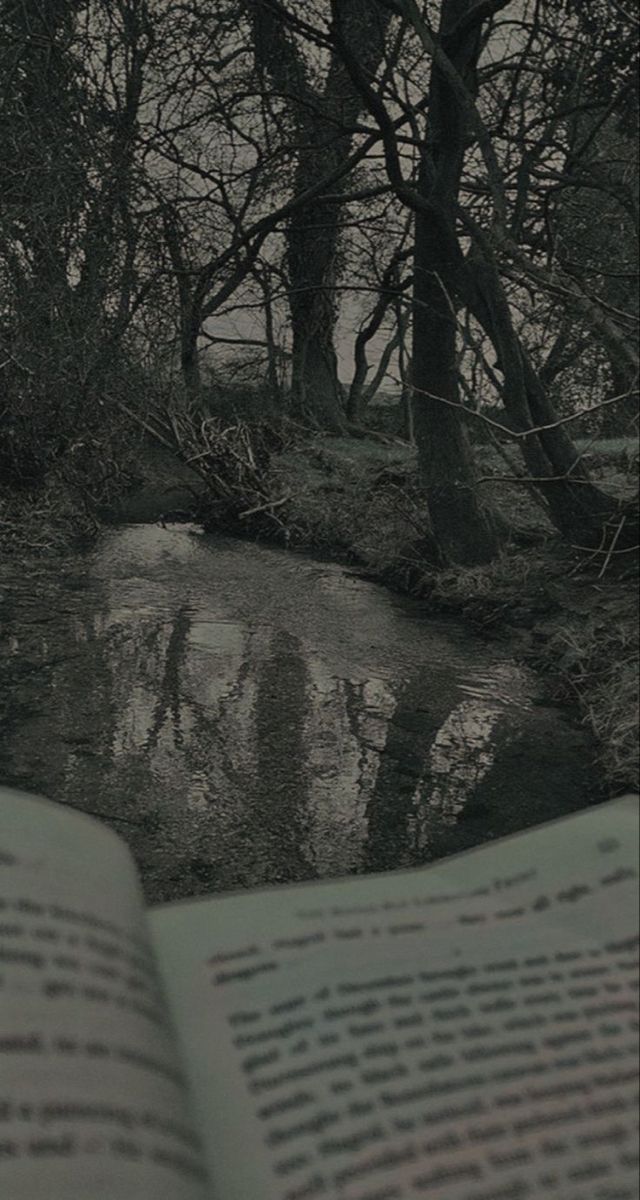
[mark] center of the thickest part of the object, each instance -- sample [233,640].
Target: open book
[467,1031]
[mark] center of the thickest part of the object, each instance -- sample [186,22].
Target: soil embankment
[557,609]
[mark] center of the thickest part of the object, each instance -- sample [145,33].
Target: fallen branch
[268,504]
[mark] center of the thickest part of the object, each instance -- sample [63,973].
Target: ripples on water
[245,716]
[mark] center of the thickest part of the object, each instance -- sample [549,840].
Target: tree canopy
[454,182]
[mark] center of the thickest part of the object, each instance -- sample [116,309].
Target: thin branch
[524,433]
[612,547]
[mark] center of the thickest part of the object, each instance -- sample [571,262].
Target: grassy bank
[359,499]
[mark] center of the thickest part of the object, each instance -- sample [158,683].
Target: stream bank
[355,502]
[535,608]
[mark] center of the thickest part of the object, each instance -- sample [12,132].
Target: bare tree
[470,236]
[322,107]
[225,162]
[389,278]
[462,530]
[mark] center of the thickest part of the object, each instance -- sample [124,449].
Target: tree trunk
[577,508]
[404,369]
[190,317]
[391,288]
[189,358]
[462,530]
[272,372]
[621,419]
[316,394]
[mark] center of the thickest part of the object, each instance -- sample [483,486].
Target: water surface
[243,716]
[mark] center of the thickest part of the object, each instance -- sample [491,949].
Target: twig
[612,546]
[250,512]
[530,480]
[141,421]
[593,554]
[524,433]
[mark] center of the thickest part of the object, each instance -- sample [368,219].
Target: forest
[358,277]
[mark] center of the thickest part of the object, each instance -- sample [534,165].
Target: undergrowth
[47,521]
[595,661]
[342,498]
[580,631]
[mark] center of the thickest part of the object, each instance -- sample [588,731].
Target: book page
[93,1101]
[463,1032]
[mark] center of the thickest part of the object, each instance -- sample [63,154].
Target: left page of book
[93,1101]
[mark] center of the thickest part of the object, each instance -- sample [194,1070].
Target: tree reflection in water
[243,717]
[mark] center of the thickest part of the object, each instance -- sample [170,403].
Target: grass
[582,634]
[45,522]
[361,500]
[344,495]
[593,655]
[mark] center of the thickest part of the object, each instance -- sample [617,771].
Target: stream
[243,716]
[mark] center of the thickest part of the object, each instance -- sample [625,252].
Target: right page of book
[467,1031]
